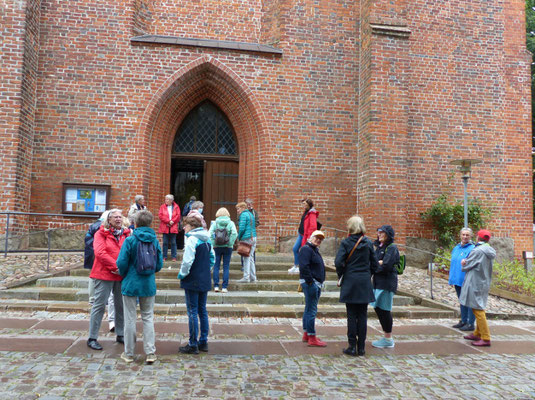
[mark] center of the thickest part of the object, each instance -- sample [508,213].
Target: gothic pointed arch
[205,79]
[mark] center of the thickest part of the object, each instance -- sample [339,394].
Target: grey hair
[170,196]
[249,201]
[106,223]
[355,225]
[143,218]
[138,198]
[470,231]
[197,205]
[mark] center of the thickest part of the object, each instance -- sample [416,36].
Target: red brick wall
[351,116]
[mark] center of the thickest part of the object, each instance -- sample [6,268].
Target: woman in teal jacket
[247,233]
[135,286]
[222,245]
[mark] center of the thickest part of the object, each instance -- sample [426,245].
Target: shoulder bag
[244,247]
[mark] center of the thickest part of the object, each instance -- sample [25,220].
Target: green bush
[447,218]
[511,275]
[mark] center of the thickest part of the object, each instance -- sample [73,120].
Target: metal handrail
[48,231]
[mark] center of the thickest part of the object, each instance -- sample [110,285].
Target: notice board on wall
[81,198]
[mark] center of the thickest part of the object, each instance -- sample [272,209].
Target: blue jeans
[225,253]
[169,238]
[196,307]
[296,248]
[312,296]
[467,315]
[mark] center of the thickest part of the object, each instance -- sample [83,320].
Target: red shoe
[305,337]
[313,341]
[174,259]
[472,337]
[481,343]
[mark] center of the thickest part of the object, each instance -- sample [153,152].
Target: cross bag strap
[354,248]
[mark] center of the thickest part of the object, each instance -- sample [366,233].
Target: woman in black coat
[355,264]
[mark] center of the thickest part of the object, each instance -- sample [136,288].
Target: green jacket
[223,223]
[247,226]
[133,284]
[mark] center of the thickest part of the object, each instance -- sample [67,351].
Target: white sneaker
[224,290]
[216,289]
[150,358]
[111,326]
[126,358]
[243,280]
[294,270]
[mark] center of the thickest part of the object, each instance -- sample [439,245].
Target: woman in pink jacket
[107,245]
[169,217]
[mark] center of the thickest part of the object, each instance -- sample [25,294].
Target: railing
[47,232]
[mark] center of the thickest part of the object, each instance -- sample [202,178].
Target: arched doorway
[205,161]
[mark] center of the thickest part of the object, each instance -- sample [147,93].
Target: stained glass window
[205,130]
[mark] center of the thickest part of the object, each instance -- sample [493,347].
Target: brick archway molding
[202,79]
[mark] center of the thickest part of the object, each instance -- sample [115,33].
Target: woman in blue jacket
[459,252]
[135,286]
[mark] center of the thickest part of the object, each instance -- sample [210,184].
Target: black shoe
[187,349]
[93,344]
[120,339]
[361,353]
[458,325]
[467,327]
[203,347]
[350,351]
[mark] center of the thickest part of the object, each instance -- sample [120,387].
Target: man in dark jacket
[311,277]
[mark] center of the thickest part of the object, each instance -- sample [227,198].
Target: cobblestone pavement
[430,361]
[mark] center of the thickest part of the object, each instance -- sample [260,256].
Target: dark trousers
[385,318]
[357,324]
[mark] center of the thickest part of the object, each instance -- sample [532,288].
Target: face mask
[200,210]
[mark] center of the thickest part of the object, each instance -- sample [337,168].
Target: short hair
[222,212]
[193,222]
[143,218]
[197,205]
[248,201]
[309,202]
[106,223]
[170,196]
[193,198]
[138,198]
[470,231]
[355,225]
[241,204]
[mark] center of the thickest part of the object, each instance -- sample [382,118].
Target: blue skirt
[383,299]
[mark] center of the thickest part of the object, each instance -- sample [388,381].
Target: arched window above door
[205,130]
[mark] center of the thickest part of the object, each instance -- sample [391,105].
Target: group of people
[366,275]
[366,272]
[113,252]
[471,275]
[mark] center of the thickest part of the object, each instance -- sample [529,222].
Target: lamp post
[465,167]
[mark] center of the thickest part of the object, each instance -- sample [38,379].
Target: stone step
[284,285]
[231,310]
[287,258]
[251,296]
[261,274]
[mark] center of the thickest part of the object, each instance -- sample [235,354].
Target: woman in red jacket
[107,245]
[308,224]
[169,217]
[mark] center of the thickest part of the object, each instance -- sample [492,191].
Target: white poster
[100,197]
[71,195]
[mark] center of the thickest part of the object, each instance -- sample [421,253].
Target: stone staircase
[274,295]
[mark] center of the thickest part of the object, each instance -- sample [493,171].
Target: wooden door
[220,188]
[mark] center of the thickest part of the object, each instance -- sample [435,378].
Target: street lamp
[465,167]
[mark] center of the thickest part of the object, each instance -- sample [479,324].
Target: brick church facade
[359,104]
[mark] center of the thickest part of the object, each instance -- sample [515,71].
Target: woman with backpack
[140,258]
[355,263]
[223,234]
[385,283]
